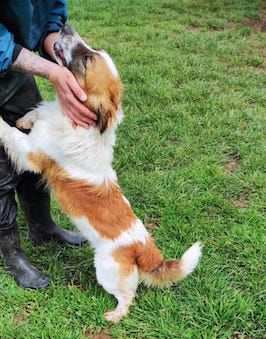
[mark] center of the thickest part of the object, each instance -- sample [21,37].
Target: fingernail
[83,97]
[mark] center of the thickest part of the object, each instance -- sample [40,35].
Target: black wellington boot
[35,201]
[16,262]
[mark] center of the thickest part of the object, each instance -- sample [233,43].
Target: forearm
[30,62]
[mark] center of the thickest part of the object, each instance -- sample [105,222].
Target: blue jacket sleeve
[56,19]
[9,50]
[57,16]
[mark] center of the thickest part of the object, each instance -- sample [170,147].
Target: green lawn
[191,158]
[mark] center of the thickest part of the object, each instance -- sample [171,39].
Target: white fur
[86,154]
[122,288]
[109,62]
[16,145]
[191,258]
[108,270]
[136,233]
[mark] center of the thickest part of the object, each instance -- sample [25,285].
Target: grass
[191,159]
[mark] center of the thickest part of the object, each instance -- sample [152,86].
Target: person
[27,26]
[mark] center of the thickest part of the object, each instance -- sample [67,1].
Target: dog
[77,166]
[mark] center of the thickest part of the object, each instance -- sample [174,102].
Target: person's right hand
[71,97]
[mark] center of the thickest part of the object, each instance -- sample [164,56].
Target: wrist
[29,62]
[52,73]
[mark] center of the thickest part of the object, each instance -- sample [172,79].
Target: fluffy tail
[155,271]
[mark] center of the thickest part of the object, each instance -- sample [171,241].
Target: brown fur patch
[154,270]
[102,205]
[146,256]
[104,91]
[149,256]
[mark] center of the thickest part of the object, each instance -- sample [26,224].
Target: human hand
[48,43]
[71,97]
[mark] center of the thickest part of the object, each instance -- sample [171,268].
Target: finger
[71,116]
[76,89]
[84,113]
[90,119]
[88,114]
[78,121]
[87,123]
[79,107]
[79,110]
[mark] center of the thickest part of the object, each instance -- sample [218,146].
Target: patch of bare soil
[151,223]
[100,335]
[22,316]
[232,164]
[238,335]
[241,201]
[258,25]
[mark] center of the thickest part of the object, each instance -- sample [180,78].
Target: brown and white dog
[77,165]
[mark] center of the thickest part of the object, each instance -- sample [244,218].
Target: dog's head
[96,74]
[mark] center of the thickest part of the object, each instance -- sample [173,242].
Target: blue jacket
[25,23]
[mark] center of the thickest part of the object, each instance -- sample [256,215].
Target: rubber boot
[17,264]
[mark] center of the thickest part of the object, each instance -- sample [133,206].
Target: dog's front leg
[17,145]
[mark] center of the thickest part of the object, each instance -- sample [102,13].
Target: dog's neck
[85,153]
[91,152]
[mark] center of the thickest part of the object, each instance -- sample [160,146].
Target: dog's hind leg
[17,145]
[119,280]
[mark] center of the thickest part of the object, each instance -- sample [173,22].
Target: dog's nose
[67,29]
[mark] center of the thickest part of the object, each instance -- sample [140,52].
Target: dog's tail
[155,271]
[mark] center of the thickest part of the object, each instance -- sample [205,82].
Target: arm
[69,92]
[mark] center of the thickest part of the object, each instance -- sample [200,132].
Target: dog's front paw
[27,121]
[21,124]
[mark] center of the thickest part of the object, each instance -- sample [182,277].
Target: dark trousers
[18,95]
